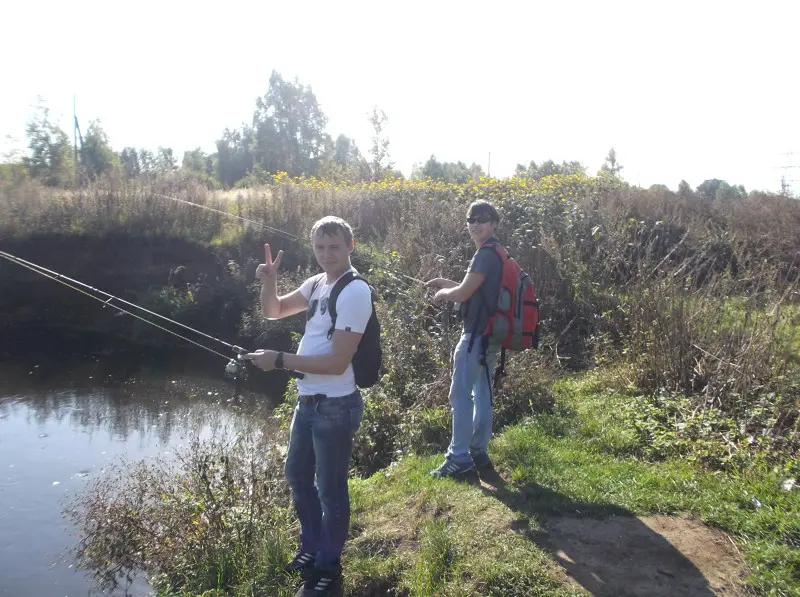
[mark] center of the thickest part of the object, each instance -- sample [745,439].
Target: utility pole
[74,143]
[489,168]
[77,136]
[786,187]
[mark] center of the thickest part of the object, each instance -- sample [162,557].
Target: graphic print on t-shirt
[312,307]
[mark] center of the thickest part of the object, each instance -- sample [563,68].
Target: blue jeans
[321,442]
[471,400]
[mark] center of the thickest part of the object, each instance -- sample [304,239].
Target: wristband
[279,361]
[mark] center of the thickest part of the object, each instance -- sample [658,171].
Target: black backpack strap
[484,362]
[335,291]
[316,284]
[500,370]
[474,329]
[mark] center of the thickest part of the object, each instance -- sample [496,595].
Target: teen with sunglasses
[470,387]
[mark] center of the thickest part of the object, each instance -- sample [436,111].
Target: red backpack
[515,322]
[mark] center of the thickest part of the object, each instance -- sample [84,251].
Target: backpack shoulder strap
[500,252]
[339,286]
[316,283]
[334,296]
[498,249]
[335,291]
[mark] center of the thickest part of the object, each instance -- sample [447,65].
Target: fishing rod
[289,236]
[236,367]
[60,277]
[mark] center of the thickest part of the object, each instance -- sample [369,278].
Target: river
[61,425]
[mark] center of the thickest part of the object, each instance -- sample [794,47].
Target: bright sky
[693,90]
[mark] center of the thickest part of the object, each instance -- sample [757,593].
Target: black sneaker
[485,467]
[302,560]
[321,582]
[482,461]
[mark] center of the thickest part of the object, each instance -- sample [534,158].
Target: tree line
[287,133]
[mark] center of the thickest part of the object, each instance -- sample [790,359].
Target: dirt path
[630,556]
[654,556]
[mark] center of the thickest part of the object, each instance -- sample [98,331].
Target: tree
[12,162]
[714,188]
[452,172]
[200,164]
[147,161]
[97,156]
[211,165]
[287,134]
[381,161]
[166,160]
[475,171]
[685,190]
[196,160]
[732,192]
[346,161]
[549,168]
[432,169]
[611,165]
[345,151]
[289,129]
[234,157]
[129,160]
[50,160]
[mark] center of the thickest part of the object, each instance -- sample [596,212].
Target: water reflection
[58,431]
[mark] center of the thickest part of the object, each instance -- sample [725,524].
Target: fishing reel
[236,369]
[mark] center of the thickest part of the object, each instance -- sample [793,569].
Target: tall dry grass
[697,296]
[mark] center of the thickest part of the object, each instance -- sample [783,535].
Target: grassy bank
[579,462]
[684,308]
[559,518]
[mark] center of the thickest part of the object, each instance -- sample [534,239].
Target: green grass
[784,317]
[579,458]
[431,537]
[574,471]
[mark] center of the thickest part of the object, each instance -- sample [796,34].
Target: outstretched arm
[462,292]
[438,283]
[335,362]
[273,306]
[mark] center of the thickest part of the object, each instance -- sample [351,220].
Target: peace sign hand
[269,271]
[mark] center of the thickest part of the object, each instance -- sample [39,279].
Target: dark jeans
[321,441]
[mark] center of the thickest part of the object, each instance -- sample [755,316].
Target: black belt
[311,398]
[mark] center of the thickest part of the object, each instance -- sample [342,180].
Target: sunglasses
[480,220]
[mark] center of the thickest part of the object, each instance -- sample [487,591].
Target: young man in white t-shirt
[330,406]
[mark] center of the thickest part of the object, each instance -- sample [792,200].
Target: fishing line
[61,280]
[289,236]
[236,367]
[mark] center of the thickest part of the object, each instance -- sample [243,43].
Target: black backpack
[368,357]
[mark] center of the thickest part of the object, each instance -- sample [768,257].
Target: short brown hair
[331,225]
[483,208]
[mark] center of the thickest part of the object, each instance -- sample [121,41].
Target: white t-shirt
[353,310]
